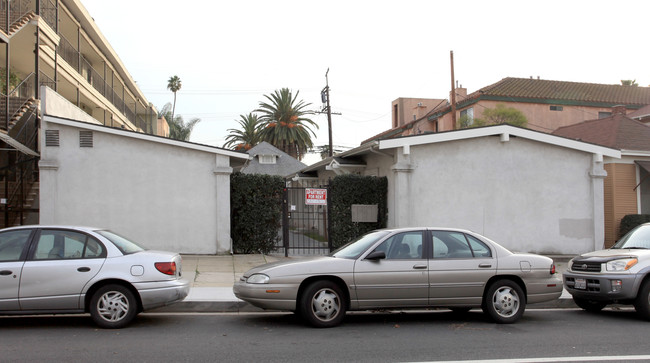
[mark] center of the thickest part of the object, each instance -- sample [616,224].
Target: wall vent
[85,139]
[51,137]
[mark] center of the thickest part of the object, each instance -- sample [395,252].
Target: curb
[244,307]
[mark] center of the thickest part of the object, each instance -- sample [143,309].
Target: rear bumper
[544,290]
[161,293]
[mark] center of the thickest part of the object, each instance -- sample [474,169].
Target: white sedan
[62,270]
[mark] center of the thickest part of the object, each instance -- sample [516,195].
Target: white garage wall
[161,195]
[526,195]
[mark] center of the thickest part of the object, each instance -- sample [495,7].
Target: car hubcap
[325,304]
[113,306]
[505,301]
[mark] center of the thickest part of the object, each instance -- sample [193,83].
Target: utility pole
[325,93]
[453,92]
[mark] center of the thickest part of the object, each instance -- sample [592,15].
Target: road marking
[616,358]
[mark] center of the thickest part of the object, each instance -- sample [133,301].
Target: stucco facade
[163,193]
[527,190]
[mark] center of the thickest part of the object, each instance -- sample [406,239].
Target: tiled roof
[618,131]
[567,91]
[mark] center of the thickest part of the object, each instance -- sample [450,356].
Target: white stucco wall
[526,195]
[162,195]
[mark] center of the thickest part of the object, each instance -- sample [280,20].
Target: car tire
[589,305]
[323,304]
[504,301]
[642,301]
[113,306]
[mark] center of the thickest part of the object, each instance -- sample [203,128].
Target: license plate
[580,284]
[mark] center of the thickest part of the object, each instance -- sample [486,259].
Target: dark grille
[592,284]
[586,266]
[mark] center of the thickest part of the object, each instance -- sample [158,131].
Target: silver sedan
[60,269]
[405,268]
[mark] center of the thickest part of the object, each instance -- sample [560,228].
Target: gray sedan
[405,268]
[59,269]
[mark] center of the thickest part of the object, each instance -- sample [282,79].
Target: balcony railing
[48,12]
[15,10]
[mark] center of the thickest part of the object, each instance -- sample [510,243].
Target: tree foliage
[629,82]
[283,124]
[496,116]
[248,136]
[178,129]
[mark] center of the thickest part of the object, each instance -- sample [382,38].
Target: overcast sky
[228,54]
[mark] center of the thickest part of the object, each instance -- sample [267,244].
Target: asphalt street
[542,335]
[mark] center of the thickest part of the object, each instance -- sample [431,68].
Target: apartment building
[56,43]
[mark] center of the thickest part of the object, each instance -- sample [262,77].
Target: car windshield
[638,238]
[123,244]
[355,248]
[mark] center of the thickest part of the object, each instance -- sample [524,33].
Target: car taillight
[168,268]
[552,269]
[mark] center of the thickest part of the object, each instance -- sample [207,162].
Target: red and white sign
[315,196]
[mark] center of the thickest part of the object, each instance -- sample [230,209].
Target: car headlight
[622,264]
[257,279]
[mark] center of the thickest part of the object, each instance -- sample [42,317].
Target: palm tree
[178,129]
[174,85]
[283,124]
[246,137]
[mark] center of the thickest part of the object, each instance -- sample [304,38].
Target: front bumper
[599,286]
[267,296]
[161,293]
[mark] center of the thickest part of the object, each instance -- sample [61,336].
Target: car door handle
[485,265]
[83,269]
[419,267]
[5,273]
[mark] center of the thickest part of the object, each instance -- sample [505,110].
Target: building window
[557,108]
[604,114]
[466,117]
[267,159]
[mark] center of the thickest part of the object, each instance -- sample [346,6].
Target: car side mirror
[376,255]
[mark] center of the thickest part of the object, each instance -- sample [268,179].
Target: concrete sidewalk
[212,277]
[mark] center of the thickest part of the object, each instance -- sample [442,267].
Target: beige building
[546,104]
[56,43]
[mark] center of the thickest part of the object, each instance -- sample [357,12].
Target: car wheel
[113,306]
[589,305]
[505,301]
[323,304]
[642,302]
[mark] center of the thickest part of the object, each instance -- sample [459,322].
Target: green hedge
[349,189]
[255,212]
[632,220]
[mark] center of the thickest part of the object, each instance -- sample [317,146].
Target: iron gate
[305,222]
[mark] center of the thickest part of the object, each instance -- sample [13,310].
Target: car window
[12,244]
[449,244]
[407,245]
[355,248]
[62,244]
[123,244]
[479,248]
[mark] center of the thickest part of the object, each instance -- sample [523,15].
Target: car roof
[53,226]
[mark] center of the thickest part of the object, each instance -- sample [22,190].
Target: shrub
[349,189]
[255,212]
